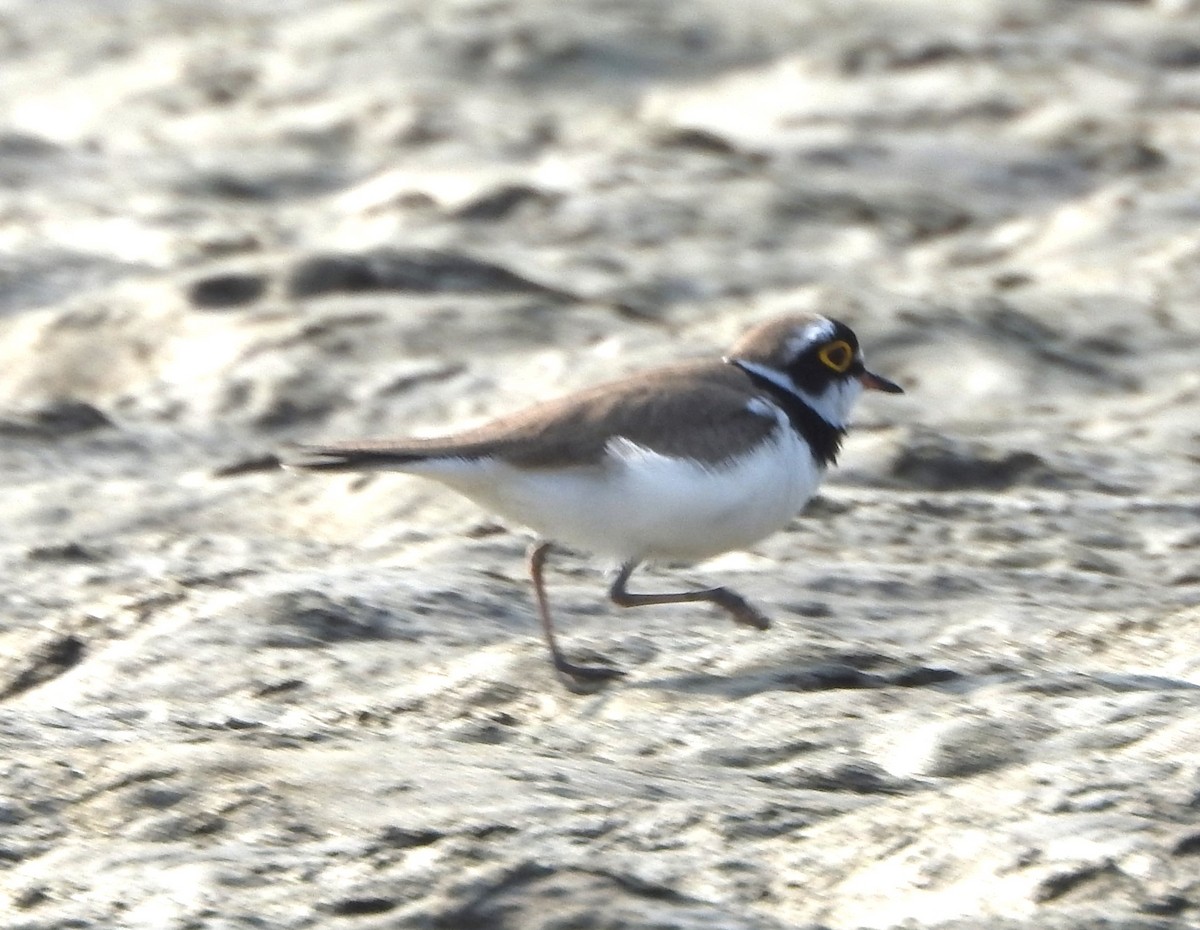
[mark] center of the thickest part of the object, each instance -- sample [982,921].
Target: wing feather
[703,410]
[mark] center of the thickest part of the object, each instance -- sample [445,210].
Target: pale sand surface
[233,697]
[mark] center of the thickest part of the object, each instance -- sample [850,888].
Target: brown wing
[698,410]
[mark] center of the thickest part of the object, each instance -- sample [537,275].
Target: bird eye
[837,355]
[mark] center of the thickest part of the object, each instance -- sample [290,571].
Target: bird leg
[738,607]
[569,672]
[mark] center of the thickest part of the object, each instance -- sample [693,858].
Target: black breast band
[823,438]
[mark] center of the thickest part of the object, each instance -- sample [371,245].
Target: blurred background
[232,696]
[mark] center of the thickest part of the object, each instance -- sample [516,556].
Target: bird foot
[745,613]
[583,679]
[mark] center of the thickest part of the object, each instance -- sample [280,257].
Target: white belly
[645,505]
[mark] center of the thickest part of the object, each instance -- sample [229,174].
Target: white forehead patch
[819,330]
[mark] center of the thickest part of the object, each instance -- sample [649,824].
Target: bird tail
[349,457]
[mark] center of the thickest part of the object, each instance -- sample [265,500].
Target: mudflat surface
[234,697]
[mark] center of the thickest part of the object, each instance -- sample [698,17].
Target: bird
[678,463]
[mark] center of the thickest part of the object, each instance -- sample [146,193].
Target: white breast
[644,505]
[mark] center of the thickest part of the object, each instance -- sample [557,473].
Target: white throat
[833,405]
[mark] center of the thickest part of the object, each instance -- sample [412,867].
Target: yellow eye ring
[837,355]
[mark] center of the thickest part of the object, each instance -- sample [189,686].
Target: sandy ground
[233,697]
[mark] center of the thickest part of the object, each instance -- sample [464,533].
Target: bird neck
[804,413]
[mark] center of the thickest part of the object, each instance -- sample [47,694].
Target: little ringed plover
[679,463]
